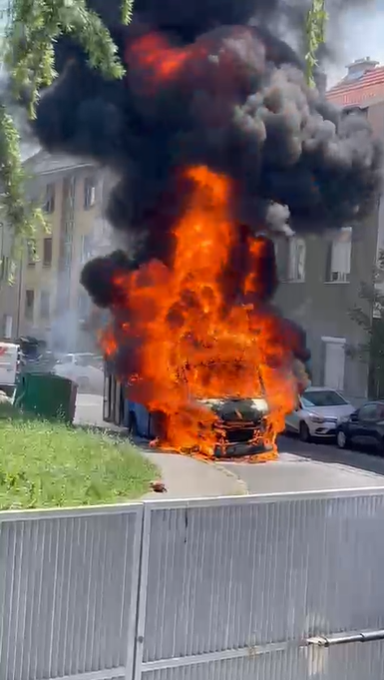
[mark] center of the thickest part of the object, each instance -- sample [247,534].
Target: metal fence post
[142,594]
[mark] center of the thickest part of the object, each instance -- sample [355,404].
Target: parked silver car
[318,413]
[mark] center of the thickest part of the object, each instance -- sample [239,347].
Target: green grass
[44,464]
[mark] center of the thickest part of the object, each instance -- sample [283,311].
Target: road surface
[89,410]
[300,467]
[311,467]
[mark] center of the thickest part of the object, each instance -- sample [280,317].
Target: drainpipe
[19,297]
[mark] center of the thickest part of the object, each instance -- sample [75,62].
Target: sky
[362,35]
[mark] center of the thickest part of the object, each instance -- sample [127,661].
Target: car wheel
[304,432]
[342,439]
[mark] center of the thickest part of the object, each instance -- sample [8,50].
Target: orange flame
[159,59]
[108,342]
[193,346]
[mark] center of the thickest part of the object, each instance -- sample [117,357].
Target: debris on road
[158,487]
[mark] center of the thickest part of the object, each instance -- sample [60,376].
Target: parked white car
[84,369]
[9,364]
[318,413]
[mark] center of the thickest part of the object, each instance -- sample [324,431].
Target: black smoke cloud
[239,104]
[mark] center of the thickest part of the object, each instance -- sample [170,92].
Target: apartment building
[53,305]
[321,275]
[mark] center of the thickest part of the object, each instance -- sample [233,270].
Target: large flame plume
[203,328]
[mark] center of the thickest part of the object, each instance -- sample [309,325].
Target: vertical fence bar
[142,594]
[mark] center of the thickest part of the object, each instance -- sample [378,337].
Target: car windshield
[323,398]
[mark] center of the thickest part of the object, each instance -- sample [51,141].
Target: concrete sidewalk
[186,477]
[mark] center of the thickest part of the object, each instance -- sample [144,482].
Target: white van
[9,359]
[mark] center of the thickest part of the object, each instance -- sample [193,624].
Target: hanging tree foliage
[315,32]
[33,26]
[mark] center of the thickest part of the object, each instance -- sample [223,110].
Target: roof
[358,92]
[44,163]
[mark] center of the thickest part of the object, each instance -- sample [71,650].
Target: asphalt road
[328,452]
[311,467]
[300,467]
[89,410]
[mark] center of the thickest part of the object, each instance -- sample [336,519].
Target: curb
[243,489]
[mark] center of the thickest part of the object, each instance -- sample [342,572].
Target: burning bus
[226,427]
[237,426]
[200,341]
[209,364]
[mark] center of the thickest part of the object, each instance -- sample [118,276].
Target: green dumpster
[49,396]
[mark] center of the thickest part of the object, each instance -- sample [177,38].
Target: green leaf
[315,34]
[33,26]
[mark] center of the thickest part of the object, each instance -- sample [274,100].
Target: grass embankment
[44,464]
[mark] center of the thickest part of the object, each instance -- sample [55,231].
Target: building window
[355,110]
[47,251]
[31,253]
[89,192]
[4,268]
[280,258]
[86,248]
[378,309]
[339,257]
[7,326]
[49,202]
[45,304]
[296,259]
[334,362]
[29,304]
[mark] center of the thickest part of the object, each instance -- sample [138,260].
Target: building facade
[9,287]
[321,276]
[53,306]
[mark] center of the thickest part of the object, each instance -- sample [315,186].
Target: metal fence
[68,593]
[226,589]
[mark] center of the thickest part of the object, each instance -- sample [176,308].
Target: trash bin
[47,395]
